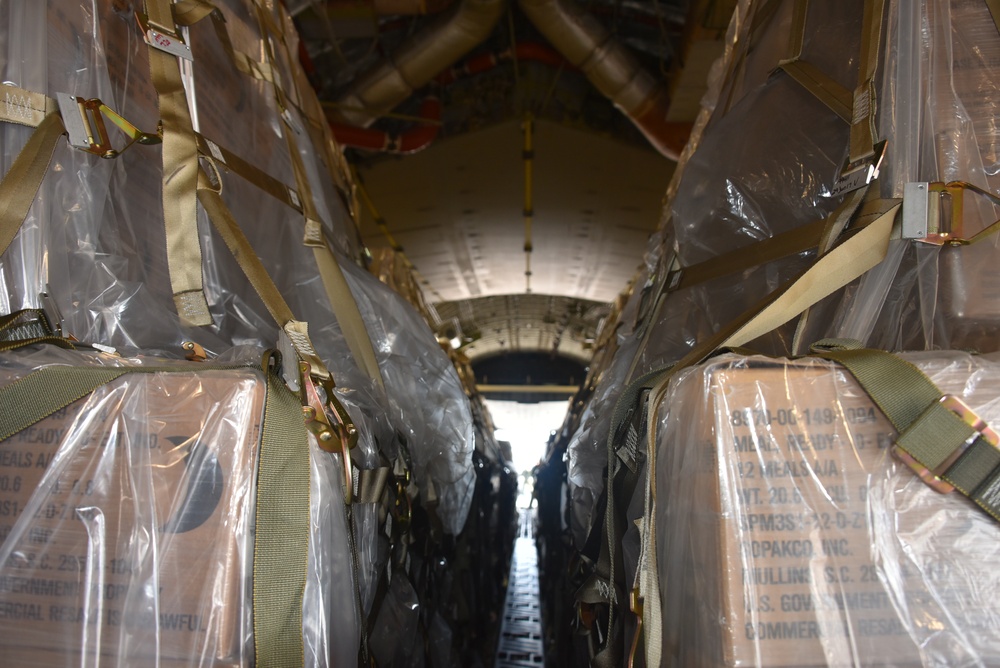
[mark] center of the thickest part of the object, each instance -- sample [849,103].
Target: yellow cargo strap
[939,437]
[180,174]
[281,538]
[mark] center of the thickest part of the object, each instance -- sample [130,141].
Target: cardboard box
[126,522]
[791,537]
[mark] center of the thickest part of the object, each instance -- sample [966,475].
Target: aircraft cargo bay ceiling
[516,151]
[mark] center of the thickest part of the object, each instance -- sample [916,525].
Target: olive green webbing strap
[281,543]
[41,393]
[21,183]
[27,327]
[929,431]
[180,175]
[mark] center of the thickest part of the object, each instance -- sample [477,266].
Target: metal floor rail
[521,634]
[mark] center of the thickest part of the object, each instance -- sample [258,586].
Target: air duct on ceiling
[418,61]
[404,143]
[586,44]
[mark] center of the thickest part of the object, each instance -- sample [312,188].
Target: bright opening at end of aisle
[526,427]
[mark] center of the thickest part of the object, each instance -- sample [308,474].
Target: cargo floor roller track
[521,635]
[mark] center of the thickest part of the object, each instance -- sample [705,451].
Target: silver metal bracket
[290,370]
[916,210]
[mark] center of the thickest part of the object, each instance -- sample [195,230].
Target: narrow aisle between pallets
[520,641]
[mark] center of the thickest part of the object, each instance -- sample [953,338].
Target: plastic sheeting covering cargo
[248,237]
[787,168]
[789,535]
[129,519]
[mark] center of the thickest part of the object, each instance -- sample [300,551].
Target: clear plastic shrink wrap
[789,536]
[94,241]
[127,522]
[430,410]
[612,366]
[938,110]
[782,150]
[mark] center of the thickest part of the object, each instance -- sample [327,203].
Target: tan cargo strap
[189,12]
[857,107]
[759,16]
[281,539]
[330,272]
[337,436]
[865,210]
[860,250]
[21,183]
[249,172]
[940,437]
[865,97]
[797,33]
[180,175]
[227,227]
[25,107]
[345,309]
[345,306]
[798,240]
[835,96]
[341,300]
[994,7]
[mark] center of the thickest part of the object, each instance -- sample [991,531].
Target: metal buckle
[160,38]
[635,604]
[84,122]
[334,429]
[860,173]
[943,210]
[933,477]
